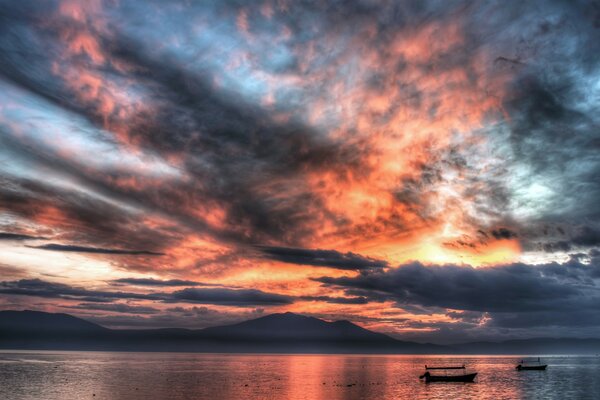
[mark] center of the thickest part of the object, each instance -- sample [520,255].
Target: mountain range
[275,333]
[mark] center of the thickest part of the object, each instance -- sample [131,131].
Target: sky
[426,169]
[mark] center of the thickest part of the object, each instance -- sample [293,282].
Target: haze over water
[26,375]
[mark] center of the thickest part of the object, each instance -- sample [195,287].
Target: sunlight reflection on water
[149,376]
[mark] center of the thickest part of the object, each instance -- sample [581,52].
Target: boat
[445,377]
[531,367]
[461,367]
[448,378]
[522,366]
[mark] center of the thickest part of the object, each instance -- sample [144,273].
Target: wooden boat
[461,367]
[522,367]
[536,367]
[448,378]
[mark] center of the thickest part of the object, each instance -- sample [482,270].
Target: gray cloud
[45,289]
[238,149]
[515,287]
[252,165]
[84,218]
[322,258]
[514,295]
[96,250]
[115,307]
[337,300]
[220,296]
[17,236]
[584,237]
[503,233]
[237,297]
[158,282]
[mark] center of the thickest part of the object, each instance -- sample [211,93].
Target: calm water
[150,376]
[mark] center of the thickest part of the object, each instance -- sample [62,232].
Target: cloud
[322,258]
[277,176]
[508,288]
[237,297]
[17,236]
[45,289]
[550,293]
[259,174]
[79,215]
[96,250]
[221,296]
[115,307]
[215,296]
[503,233]
[159,282]
[313,128]
[337,300]
[584,237]
[7,270]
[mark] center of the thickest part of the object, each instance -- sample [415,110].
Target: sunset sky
[427,169]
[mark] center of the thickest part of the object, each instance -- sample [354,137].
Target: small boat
[448,378]
[445,377]
[531,367]
[461,367]
[535,367]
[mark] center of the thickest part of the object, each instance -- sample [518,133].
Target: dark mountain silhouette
[290,326]
[297,333]
[533,346]
[36,321]
[275,333]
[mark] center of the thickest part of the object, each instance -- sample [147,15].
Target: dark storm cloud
[587,236]
[96,250]
[503,233]
[159,282]
[337,300]
[560,246]
[216,296]
[553,127]
[17,236]
[242,159]
[242,151]
[40,288]
[221,296]
[85,217]
[238,297]
[232,146]
[235,148]
[322,258]
[507,292]
[583,238]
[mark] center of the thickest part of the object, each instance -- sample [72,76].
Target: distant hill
[275,333]
[291,332]
[533,346]
[290,326]
[36,321]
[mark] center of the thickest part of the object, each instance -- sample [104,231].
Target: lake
[54,375]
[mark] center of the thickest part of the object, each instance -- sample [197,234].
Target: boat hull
[451,378]
[531,368]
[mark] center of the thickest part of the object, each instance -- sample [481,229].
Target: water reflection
[149,376]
